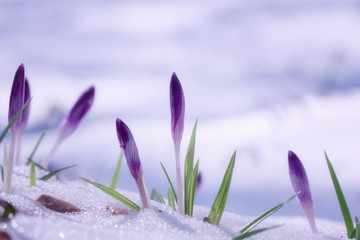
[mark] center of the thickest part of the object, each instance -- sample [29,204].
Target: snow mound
[34,221]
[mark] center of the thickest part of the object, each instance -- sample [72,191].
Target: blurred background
[263,77]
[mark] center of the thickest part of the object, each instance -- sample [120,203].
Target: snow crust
[158,222]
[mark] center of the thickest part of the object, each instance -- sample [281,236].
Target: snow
[37,222]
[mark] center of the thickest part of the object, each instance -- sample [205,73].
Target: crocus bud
[128,146]
[69,123]
[24,120]
[177,107]
[77,113]
[300,183]
[198,182]
[17,96]
[26,112]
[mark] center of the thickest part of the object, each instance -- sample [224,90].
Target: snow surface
[37,222]
[262,76]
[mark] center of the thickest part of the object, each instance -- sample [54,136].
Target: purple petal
[77,113]
[198,182]
[299,178]
[177,107]
[26,112]
[128,145]
[17,95]
[300,182]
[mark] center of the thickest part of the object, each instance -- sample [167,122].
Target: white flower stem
[18,148]
[47,160]
[143,191]
[10,162]
[179,186]
[309,212]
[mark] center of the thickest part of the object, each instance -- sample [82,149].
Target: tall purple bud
[17,97]
[300,183]
[177,107]
[15,104]
[24,119]
[128,146]
[70,122]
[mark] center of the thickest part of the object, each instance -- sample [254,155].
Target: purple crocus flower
[300,183]
[24,119]
[17,96]
[70,123]
[198,182]
[15,104]
[177,107]
[128,146]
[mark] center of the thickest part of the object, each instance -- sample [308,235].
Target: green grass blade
[218,206]
[153,195]
[161,198]
[36,146]
[115,178]
[357,229]
[167,176]
[252,233]
[344,208]
[265,215]
[114,194]
[171,199]
[53,173]
[2,172]
[189,164]
[32,175]
[3,134]
[192,186]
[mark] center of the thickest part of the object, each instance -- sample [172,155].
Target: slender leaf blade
[218,206]
[357,229]
[192,187]
[171,199]
[114,194]
[167,176]
[252,233]
[161,198]
[36,146]
[265,215]
[189,164]
[2,172]
[53,173]
[3,134]
[32,175]
[115,178]
[342,202]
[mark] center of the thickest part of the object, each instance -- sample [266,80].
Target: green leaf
[167,176]
[189,164]
[9,211]
[114,194]
[32,175]
[154,196]
[252,233]
[171,199]
[218,206]
[36,146]
[192,187]
[3,134]
[115,178]
[357,229]
[161,198]
[53,173]
[344,208]
[2,172]
[265,215]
